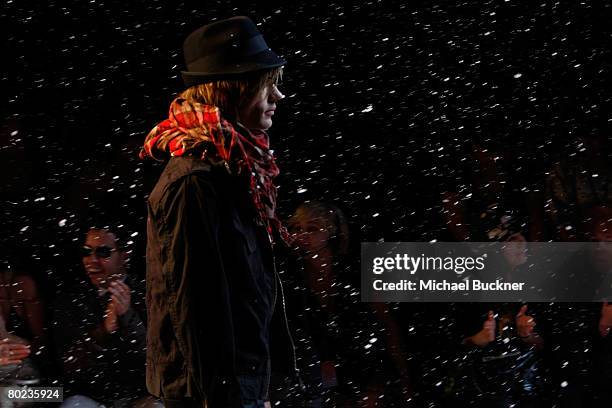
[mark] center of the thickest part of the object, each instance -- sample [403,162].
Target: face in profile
[515,250]
[102,261]
[256,113]
[311,234]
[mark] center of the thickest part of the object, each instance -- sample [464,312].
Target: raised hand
[487,334]
[525,324]
[110,318]
[12,353]
[120,296]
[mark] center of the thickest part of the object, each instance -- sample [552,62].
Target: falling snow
[390,108]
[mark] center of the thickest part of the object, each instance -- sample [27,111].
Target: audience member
[100,331]
[577,183]
[581,346]
[23,340]
[341,345]
[499,361]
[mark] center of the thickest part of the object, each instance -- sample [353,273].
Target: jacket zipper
[268,365]
[286,321]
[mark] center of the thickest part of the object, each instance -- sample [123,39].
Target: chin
[265,124]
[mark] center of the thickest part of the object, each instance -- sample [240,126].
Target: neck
[321,260]
[318,270]
[319,277]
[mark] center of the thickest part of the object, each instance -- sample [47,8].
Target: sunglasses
[101,251]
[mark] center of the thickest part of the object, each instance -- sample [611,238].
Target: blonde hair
[333,218]
[228,94]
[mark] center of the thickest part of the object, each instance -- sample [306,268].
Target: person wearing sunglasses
[104,264]
[100,332]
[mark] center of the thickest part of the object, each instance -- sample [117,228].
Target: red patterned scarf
[193,128]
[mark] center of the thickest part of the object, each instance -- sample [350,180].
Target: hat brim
[259,62]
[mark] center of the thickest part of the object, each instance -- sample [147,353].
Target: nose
[276,94]
[92,259]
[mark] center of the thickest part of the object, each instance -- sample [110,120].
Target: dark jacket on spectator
[95,363]
[211,287]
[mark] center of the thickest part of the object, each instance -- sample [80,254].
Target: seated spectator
[13,351]
[578,342]
[22,329]
[500,357]
[324,310]
[576,184]
[100,331]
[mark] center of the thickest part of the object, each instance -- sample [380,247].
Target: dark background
[384,100]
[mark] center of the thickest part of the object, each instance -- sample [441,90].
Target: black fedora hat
[226,49]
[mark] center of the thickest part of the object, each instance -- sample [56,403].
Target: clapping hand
[13,349]
[487,334]
[525,324]
[120,297]
[12,352]
[118,305]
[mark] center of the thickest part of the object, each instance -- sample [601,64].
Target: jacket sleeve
[79,348]
[199,298]
[133,333]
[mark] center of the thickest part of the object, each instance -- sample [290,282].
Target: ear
[123,257]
